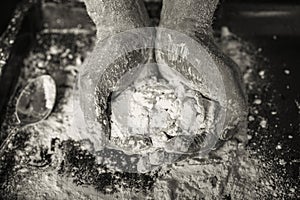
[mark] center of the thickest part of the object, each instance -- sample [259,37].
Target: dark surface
[280,95]
[23,38]
[250,19]
[276,37]
[6,12]
[277,41]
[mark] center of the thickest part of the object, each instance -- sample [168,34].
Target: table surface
[273,93]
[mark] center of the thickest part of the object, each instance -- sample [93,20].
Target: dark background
[274,28]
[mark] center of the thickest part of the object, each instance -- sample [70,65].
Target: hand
[194,18]
[220,86]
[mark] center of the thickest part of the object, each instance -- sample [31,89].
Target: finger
[189,16]
[113,56]
[194,18]
[116,16]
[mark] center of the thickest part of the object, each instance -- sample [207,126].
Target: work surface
[48,161]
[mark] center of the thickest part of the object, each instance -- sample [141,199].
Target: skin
[111,17]
[194,18]
[191,17]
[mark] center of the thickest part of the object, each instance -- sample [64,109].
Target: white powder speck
[282,162]
[263,123]
[257,101]
[78,61]
[225,32]
[251,118]
[262,74]
[54,50]
[278,147]
[287,71]
[274,113]
[249,137]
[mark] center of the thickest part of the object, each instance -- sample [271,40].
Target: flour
[153,111]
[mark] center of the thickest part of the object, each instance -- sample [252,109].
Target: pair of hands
[194,19]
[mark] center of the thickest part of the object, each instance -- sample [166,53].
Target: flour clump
[156,112]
